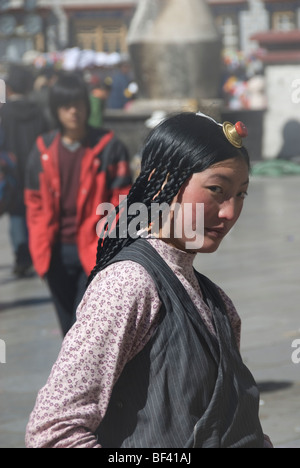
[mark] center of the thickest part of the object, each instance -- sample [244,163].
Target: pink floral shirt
[116,318]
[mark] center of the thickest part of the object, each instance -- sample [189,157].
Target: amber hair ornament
[233,132]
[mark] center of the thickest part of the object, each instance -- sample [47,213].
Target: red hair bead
[241,129]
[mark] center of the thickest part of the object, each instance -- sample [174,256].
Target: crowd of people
[27,114]
[56,169]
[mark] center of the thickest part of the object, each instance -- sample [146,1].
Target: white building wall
[254,20]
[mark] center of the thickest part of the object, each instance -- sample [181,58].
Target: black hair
[69,88]
[20,79]
[174,150]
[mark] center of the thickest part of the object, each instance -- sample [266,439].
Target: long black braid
[143,191]
[173,151]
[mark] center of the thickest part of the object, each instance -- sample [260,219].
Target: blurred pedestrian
[120,94]
[41,89]
[21,121]
[153,360]
[98,96]
[71,171]
[8,179]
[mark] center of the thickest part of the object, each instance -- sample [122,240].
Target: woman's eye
[215,189]
[243,195]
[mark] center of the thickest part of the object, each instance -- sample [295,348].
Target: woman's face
[210,203]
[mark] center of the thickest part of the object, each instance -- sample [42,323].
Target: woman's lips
[218,233]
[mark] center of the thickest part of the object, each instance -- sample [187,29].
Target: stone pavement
[258,265]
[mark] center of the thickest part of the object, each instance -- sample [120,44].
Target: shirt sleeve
[114,321]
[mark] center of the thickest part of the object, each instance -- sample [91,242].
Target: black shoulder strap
[210,291]
[168,285]
[213,299]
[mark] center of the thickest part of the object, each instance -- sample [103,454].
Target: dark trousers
[67,282]
[19,239]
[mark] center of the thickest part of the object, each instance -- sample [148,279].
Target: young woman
[71,171]
[153,360]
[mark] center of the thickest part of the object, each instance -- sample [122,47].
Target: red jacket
[105,174]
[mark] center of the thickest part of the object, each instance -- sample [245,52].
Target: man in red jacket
[70,172]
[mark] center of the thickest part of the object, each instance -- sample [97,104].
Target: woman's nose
[229,210]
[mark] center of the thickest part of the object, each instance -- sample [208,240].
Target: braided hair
[178,147]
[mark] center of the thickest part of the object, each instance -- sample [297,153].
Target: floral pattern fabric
[117,316]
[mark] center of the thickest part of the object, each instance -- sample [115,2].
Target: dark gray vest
[186,388]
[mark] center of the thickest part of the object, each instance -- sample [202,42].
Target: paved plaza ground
[258,265]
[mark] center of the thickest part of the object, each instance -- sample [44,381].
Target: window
[114,38]
[228,27]
[284,20]
[108,36]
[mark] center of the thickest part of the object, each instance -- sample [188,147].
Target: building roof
[91,3]
[227,2]
[278,46]
[277,37]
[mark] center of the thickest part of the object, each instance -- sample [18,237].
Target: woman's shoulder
[122,292]
[128,277]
